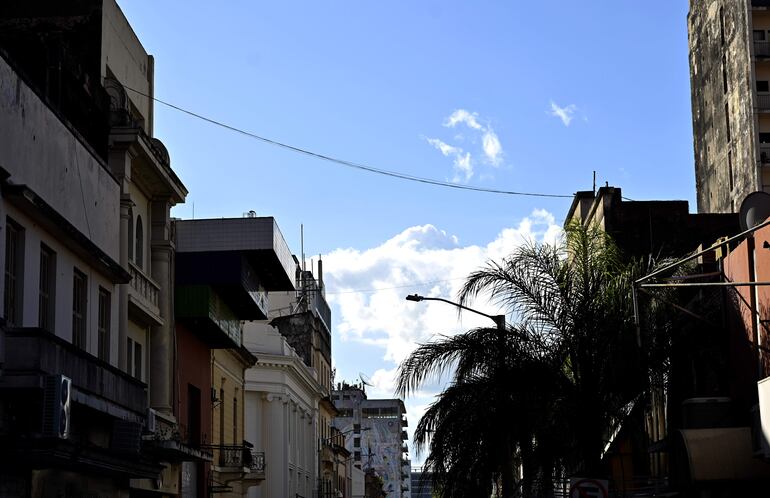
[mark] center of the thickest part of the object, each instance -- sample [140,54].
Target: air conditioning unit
[150,423]
[707,413]
[126,436]
[761,421]
[57,399]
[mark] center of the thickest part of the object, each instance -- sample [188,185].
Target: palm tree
[547,390]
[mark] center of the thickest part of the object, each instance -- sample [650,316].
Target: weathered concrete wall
[724,132]
[39,150]
[124,55]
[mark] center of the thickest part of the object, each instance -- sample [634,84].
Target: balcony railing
[764,153]
[241,457]
[144,285]
[763,101]
[761,48]
[35,352]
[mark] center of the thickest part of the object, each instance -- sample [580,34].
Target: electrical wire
[343,162]
[377,289]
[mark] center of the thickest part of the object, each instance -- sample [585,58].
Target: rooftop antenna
[302,244]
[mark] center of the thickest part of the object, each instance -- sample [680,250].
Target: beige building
[729,44]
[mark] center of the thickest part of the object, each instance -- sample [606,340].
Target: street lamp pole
[498,319]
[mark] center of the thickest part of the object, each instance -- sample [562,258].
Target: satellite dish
[365,380]
[755,209]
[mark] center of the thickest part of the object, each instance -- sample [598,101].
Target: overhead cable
[343,162]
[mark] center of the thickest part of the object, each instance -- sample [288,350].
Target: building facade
[376,435]
[88,308]
[729,42]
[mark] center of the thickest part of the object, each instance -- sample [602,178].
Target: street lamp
[498,319]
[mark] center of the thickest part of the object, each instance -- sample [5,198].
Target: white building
[282,395]
[376,436]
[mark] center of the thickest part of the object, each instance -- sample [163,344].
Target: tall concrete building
[376,435]
[729,43]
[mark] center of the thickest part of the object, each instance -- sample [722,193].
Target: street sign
[588,488]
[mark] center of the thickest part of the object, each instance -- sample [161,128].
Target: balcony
[207,315]
[762,102]
[32,353]
[232,277]
[764,153]
[239,460]
[143,297]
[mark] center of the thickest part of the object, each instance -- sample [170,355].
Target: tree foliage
[545,392]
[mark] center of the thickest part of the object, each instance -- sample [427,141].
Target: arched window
[139,254]
[130,234]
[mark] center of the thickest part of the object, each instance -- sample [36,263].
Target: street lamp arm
[498,319]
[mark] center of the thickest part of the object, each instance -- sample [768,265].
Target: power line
[377,289]
[343,162]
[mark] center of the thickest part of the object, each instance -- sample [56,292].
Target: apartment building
[729,42]
[375,433]
[85,200]
[225,269]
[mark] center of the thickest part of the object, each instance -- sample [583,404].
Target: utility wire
[377,289]
[343,162]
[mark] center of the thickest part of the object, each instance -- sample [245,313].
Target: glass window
[763,86]
[759,35]
[138,360]
[79,309]
[104,324]
[47,288]
[14,266]
[139,253]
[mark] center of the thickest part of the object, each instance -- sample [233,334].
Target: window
[764,138]
[357,442]
[356,428]
[193,415]
[357,455]
[222,416]
[103,327]
[79,309]
[47,288]
[759,35]
[138,360]
[130,234]
[763,86]
[139,253]
[14,267]
[235,420]
[130,356]
[134,358]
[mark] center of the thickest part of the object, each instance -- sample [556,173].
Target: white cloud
[463,116]
[421,259]
[463,168]
[563,113]
[492,148]
[445,148]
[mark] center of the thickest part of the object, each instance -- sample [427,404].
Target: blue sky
[564,88]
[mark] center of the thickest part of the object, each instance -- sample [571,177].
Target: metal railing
[761,48]
[241,456]
[764,153]
[143,285]
[763,101]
